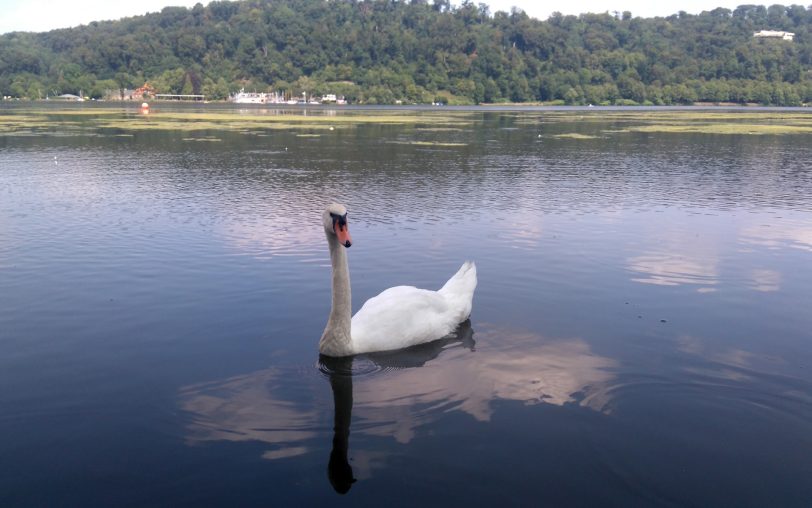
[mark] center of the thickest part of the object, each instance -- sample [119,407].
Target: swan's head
[335,223]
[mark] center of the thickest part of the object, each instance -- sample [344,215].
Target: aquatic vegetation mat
[741,122]
[726,128]
[33,120]
[574,135]
[208,138]
[253,122]
[428,143]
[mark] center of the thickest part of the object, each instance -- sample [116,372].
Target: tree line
[416,51]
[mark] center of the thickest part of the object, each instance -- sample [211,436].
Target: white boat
[244,97]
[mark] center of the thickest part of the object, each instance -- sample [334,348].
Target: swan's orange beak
[343,233]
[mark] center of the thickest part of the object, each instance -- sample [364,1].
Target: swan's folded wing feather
[400,317]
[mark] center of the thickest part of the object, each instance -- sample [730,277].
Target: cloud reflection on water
[703,259]
[287,409]
[266,236]
[242,408]
[729,363]
[765,281]
[674,269]
[779,235]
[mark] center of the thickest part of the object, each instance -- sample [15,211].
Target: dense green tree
[385,51]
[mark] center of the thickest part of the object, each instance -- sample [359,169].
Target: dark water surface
[641,333]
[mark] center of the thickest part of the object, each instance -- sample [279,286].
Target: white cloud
[43,15]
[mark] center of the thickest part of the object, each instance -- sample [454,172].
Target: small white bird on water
[399,317]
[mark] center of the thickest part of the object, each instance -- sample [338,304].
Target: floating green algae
[574,135]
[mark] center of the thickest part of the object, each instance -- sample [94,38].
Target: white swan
[399,317]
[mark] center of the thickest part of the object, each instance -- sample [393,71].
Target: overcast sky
[43,15]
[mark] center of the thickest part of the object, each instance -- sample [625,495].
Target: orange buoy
[144,108]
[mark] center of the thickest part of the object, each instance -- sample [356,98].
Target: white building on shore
[775,34]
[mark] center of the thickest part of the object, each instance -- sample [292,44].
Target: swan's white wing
[400,317]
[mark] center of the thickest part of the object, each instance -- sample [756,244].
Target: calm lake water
[640,333]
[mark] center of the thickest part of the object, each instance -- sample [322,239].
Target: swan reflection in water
[340,372]
[395,394]
[339,470]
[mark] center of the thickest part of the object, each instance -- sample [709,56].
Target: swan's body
[399,317]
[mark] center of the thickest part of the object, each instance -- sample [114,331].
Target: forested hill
[415,51]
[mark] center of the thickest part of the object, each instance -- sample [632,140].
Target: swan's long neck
[336,339]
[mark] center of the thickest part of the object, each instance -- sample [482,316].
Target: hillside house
[775,34]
